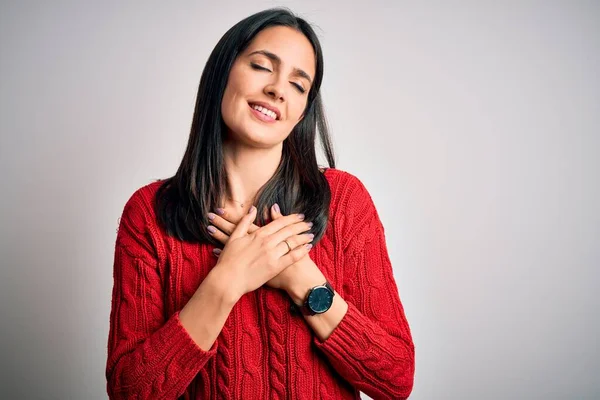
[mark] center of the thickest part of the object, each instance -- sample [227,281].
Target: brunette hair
[183,201]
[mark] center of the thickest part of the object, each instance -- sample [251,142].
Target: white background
[474,125]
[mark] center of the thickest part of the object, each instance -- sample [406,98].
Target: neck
[248,169]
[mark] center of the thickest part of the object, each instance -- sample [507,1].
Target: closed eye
[261,68]
[300,88]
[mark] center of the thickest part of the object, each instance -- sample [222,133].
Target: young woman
[252,273]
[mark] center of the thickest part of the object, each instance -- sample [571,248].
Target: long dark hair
[183,201]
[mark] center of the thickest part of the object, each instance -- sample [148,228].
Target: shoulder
[352,209]
[141,203]
[138,226]
[348,192]
[339,178]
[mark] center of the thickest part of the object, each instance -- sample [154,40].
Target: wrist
[299,289]
[221,287]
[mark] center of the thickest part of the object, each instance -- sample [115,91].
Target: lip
[262,117]
[267,106]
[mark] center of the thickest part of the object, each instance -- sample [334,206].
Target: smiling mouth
[263,113]
[273,113]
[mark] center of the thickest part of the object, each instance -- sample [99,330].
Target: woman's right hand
[249,260]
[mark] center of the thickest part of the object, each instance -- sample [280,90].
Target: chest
[186,265]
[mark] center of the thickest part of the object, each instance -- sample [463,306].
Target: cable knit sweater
[264,351]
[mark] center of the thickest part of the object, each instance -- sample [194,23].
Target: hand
[225,224]
[251,259]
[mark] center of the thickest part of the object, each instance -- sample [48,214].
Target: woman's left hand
[225,224]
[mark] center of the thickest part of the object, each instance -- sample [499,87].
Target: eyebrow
[276,58]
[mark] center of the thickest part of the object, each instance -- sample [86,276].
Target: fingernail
[251,210]
[301,216]
[276,207]
[309,246]
[217,251]
[211,229]
[220,211]
[310,224]
[211,216]
[311,235]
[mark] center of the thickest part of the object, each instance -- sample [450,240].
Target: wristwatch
[318,300]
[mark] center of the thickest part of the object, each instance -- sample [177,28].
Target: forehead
[291,46]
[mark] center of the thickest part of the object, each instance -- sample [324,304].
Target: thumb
[242,227]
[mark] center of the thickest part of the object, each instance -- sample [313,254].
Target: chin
[255,137]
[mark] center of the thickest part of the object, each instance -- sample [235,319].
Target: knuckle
[256,238]
[264,244]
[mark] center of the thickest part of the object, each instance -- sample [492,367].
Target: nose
[275,90]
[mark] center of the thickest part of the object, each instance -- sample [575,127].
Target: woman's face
[268,87]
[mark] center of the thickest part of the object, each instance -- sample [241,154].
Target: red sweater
[264,351]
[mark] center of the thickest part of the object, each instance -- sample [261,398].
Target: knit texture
[264,351]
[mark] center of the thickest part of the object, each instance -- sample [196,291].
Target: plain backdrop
[475,125]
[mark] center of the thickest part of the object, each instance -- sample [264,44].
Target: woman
[252,273]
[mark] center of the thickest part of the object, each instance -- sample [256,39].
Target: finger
[227,218]
[224,237]
[217,252]
[225,224]
[294,256]
[253,228]
[242,227]
[289,231]
[221,223]
[275,212]
[294,242]
[217,234]
[280,223]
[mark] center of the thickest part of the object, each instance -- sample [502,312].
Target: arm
[371,347]
[151,355]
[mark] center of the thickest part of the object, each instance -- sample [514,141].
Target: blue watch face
[320,300]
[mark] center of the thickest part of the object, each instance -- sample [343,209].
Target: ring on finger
[288,245]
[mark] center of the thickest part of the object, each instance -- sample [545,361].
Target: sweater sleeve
[372,347]
[150,355]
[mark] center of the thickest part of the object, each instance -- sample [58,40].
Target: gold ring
[288,245]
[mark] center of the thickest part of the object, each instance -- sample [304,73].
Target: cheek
[296,111]
[294,115]
[235,85]
[231,98]
[227,108]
